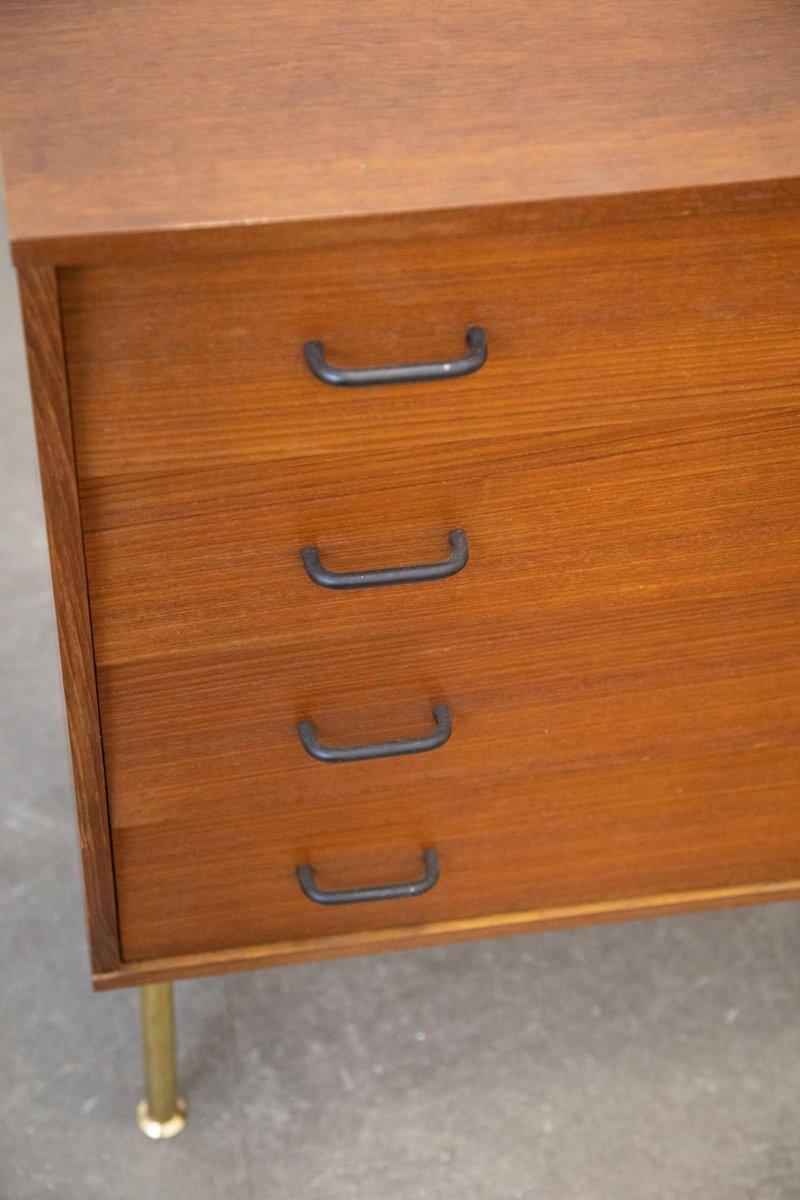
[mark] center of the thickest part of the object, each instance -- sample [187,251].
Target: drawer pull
[386,575]
[408,373]
[336,754]
[389,891]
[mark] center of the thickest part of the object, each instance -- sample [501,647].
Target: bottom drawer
[509,842]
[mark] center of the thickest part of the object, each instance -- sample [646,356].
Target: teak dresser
[500,636]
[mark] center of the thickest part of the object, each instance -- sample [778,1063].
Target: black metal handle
[451,565]
[337,754]
[389,891]
[409,373]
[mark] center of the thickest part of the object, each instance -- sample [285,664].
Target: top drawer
[595,324]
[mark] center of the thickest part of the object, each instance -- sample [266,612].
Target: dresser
[417,398]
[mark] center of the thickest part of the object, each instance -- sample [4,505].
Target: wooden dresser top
[128,116]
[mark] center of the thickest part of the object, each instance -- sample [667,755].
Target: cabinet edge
[38,288]
[143,247]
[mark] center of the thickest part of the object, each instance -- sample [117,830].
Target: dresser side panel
[40,306]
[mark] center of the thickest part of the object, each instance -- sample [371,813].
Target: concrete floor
[651,1061]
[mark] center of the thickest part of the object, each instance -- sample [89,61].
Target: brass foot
[162,1113]
[161,1129]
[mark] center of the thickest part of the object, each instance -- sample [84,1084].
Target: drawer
[517,838]
[561,538]
[196,368]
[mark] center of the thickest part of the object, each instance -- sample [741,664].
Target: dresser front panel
[620,655]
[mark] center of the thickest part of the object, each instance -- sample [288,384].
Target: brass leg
[162,1113]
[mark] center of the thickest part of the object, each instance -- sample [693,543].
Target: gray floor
[649,1061]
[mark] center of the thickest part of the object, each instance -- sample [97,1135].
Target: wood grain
[619,655]
[141,116]
[39,296]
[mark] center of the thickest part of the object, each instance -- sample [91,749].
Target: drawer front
[659,521]
[619,656]
[514,840]
[592,325]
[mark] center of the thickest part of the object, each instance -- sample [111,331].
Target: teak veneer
[613,194]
